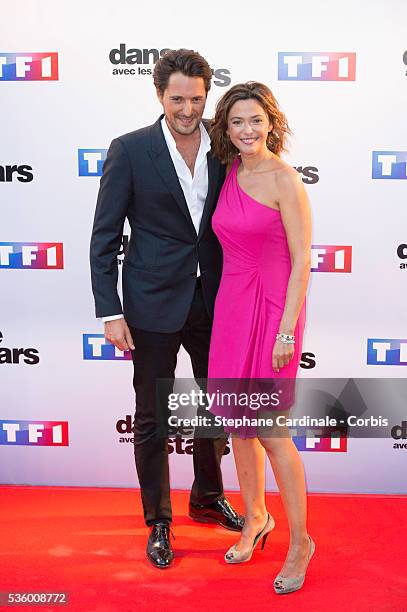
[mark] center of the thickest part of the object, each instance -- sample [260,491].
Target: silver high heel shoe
[239,556]
[288,585]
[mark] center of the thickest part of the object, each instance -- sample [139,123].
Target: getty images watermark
[364,408]
[253,401]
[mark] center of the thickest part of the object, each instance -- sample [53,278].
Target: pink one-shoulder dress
[252,292]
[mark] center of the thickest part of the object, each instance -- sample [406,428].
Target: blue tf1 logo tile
[389,165]
[386,351]
[96,347]
[90,161]
[316,66]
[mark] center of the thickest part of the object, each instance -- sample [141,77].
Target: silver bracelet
[286,338]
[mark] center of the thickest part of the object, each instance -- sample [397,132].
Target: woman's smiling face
[248,126]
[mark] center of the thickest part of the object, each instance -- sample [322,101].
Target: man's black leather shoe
[220,512]
[159,551]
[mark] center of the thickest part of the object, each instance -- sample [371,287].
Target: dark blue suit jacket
[159,271]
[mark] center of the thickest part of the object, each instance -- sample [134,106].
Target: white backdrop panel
[336,127]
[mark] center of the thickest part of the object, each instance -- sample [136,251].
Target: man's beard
[186,130]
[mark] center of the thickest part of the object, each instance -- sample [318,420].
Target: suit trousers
[155,357]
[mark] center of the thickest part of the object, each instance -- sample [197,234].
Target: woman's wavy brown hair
[252,90]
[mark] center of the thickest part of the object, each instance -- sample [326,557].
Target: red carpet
[91,542]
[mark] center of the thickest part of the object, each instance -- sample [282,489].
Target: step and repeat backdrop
[73,76]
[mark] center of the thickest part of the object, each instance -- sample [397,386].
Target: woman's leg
[289,474]
[250,465]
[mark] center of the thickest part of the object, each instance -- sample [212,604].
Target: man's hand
[118,333]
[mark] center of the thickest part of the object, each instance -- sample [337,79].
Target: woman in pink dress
[263,223]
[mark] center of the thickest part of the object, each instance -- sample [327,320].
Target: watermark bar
[345,407]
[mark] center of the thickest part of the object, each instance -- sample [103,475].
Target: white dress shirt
[195,187]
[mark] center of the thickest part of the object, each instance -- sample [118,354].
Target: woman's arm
[296,218]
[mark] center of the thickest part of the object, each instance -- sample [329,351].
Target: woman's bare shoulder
[283,169]
[281,175]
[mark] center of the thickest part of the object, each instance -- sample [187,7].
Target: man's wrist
[112,318]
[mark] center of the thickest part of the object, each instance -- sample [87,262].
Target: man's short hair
[186,61]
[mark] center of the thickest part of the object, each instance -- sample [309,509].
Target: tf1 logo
[90,161]
[96,347]
[386,351]
[28,66]
[331,258]
[389,165]
[326,440]
[32,255]
[34,433]
[307,66]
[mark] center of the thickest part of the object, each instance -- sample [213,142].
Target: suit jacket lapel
[161,158]
[213,173]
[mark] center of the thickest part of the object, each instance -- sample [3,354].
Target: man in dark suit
[165,180]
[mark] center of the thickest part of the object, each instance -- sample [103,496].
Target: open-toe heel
[289,585]
[240,556]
